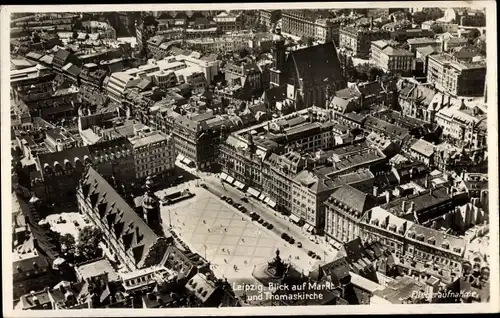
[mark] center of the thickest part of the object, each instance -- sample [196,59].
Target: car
[229,200]
[204,186]
[318,257]
[164,203]
[223,198]
[261,221]
[291,240]
[243,209]
[76,223]
[265,223]
[311,253]
[270,226]
[284,236]
[237,205]
[299,244]
[244,199]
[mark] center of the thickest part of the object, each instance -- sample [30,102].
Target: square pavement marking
[246,244]
[267,242]
[245,250]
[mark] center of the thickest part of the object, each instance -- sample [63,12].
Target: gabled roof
[137,236]
[353,198]
[316,63]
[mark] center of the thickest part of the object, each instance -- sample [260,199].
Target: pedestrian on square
[225,261]
[242,239]
[223,249]
[208,230]
[225,230]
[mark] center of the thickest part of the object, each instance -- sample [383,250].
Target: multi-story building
[114,158]
[154,153]
[416,43]
[104,30]
[195,143]
[343,210]
[310,189]
[169,71]
[357,42]
[466,125]
[228,22]
[127,235]
[391,59]
[458,78]
[223,44]
[421,250]
[311,24]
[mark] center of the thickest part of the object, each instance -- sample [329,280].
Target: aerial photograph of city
[246,158]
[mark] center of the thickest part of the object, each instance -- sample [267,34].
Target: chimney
[430,191]
[463,103]
[403,206]
[412,206]
[388,196]
[442,100]
[375,191]
[449,100]
[371,23]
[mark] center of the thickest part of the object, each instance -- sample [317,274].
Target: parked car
[223,198]
[311,253]
[237,205]
[291,240]
[299,244]
[204,186]
[244,199]
[261,221]
[243,209]
[284,236]
[229,200]
[76,223]
[318,257]
[270,226]
[265,223]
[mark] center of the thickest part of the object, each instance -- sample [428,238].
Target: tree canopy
[88,242]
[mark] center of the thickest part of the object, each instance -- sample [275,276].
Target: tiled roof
[426,50]
[352,198]
[423,147]
[316,63]
[201,287]
[97,268]
[421,201]
[136,235]
[437,238]
[62,157]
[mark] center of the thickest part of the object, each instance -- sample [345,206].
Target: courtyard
[226,237]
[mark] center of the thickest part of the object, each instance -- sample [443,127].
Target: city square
[225,236]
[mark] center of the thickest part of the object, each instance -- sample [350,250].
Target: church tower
[276,72]
[150,205]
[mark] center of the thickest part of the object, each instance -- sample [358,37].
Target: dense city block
[249,158]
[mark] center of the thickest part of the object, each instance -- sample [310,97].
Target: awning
[306,227]
[266,200]
[239,185]
[223,176]
[262,197]
[294,218]
[271,203]
[230,179]
[253,192]
[180,157]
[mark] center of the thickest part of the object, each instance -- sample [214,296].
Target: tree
[374,72]
[437,29]
[88,242]
[68,240]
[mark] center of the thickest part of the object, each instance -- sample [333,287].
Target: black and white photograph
[239,159]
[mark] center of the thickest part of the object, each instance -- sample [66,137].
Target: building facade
[456,77]
[391,59]
[357,42]
[154,154]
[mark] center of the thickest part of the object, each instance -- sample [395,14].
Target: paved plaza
[214,229]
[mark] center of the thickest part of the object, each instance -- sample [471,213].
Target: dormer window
[445,245]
